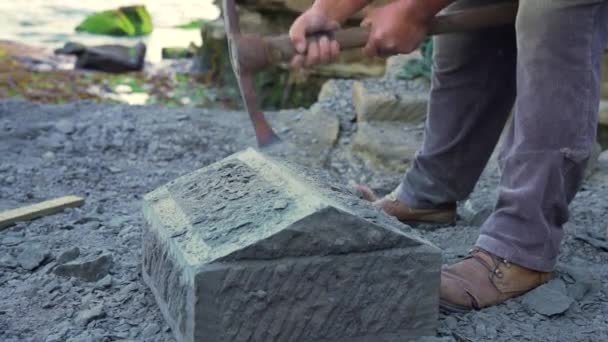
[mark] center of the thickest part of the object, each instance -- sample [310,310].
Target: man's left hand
[398,27]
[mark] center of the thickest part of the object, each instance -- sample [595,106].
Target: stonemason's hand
[398,27]
[324,17]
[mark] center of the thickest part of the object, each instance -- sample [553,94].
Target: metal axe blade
[264,134]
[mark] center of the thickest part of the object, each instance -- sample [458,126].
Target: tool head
[246,54]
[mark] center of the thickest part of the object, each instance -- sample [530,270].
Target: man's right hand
[311,49]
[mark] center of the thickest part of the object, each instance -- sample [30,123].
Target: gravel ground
[75,276]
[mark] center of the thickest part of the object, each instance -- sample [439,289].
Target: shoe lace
[493,268]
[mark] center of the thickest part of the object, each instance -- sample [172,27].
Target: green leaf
[125,21]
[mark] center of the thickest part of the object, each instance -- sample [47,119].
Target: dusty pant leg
[472,94]
[560,44]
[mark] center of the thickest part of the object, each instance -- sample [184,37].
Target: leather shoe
[483,279]
[445,214]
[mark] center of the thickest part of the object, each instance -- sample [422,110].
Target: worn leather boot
[483,279]
[445,214]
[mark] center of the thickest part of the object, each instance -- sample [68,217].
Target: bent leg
[472,94]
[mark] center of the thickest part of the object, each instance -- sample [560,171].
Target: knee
[452,52]
[554,31]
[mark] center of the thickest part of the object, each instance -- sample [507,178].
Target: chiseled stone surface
[254,248]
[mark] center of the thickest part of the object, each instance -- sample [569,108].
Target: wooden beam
[10,217]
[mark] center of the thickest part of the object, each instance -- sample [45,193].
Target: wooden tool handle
[457,21]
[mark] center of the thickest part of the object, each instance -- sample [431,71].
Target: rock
[11,241]
[377,101]
[314,264]
[87,316]
[601,170]
[124,21]
[329,90]
[316,128]
[104,283]
[49,155]
[33,256]
[580,281]
[549,299]
[603,160]
[593,162]
[476,212]
[108,58]
[68,255]
[54,338]
[387,145]
[435,339]
[65,126]
[150,330]
[451,323]
[91,270]
[8,261]
[10,180]
[603,112]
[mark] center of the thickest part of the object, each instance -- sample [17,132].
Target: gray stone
[386,102]
[33,256]
[10,241]
[451,323]
[65,126]
[87,316]
[150,330]
[104,283]
[330,90]
[549,299]
[87,270]
[593,162]
[476,212]
[7,261]
[602,162]
[579,278]
[603,112]
[68,255]
[327,267]
[435,339]
[54,338]
[387,145]
[316,128]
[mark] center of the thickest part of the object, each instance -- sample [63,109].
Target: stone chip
[87,270]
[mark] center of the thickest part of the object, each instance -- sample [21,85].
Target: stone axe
[250,53]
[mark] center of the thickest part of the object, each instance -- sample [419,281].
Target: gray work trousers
[547,70]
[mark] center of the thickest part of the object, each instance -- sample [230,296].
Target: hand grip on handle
[282,49]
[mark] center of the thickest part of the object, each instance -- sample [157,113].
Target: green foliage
[178,52]
[193,25]
[421,67]
[125,21]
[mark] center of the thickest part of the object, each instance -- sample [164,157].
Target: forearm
[340,10]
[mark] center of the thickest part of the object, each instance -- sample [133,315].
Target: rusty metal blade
[231,19]
[263,132]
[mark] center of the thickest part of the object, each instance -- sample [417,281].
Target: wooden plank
[10,217]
